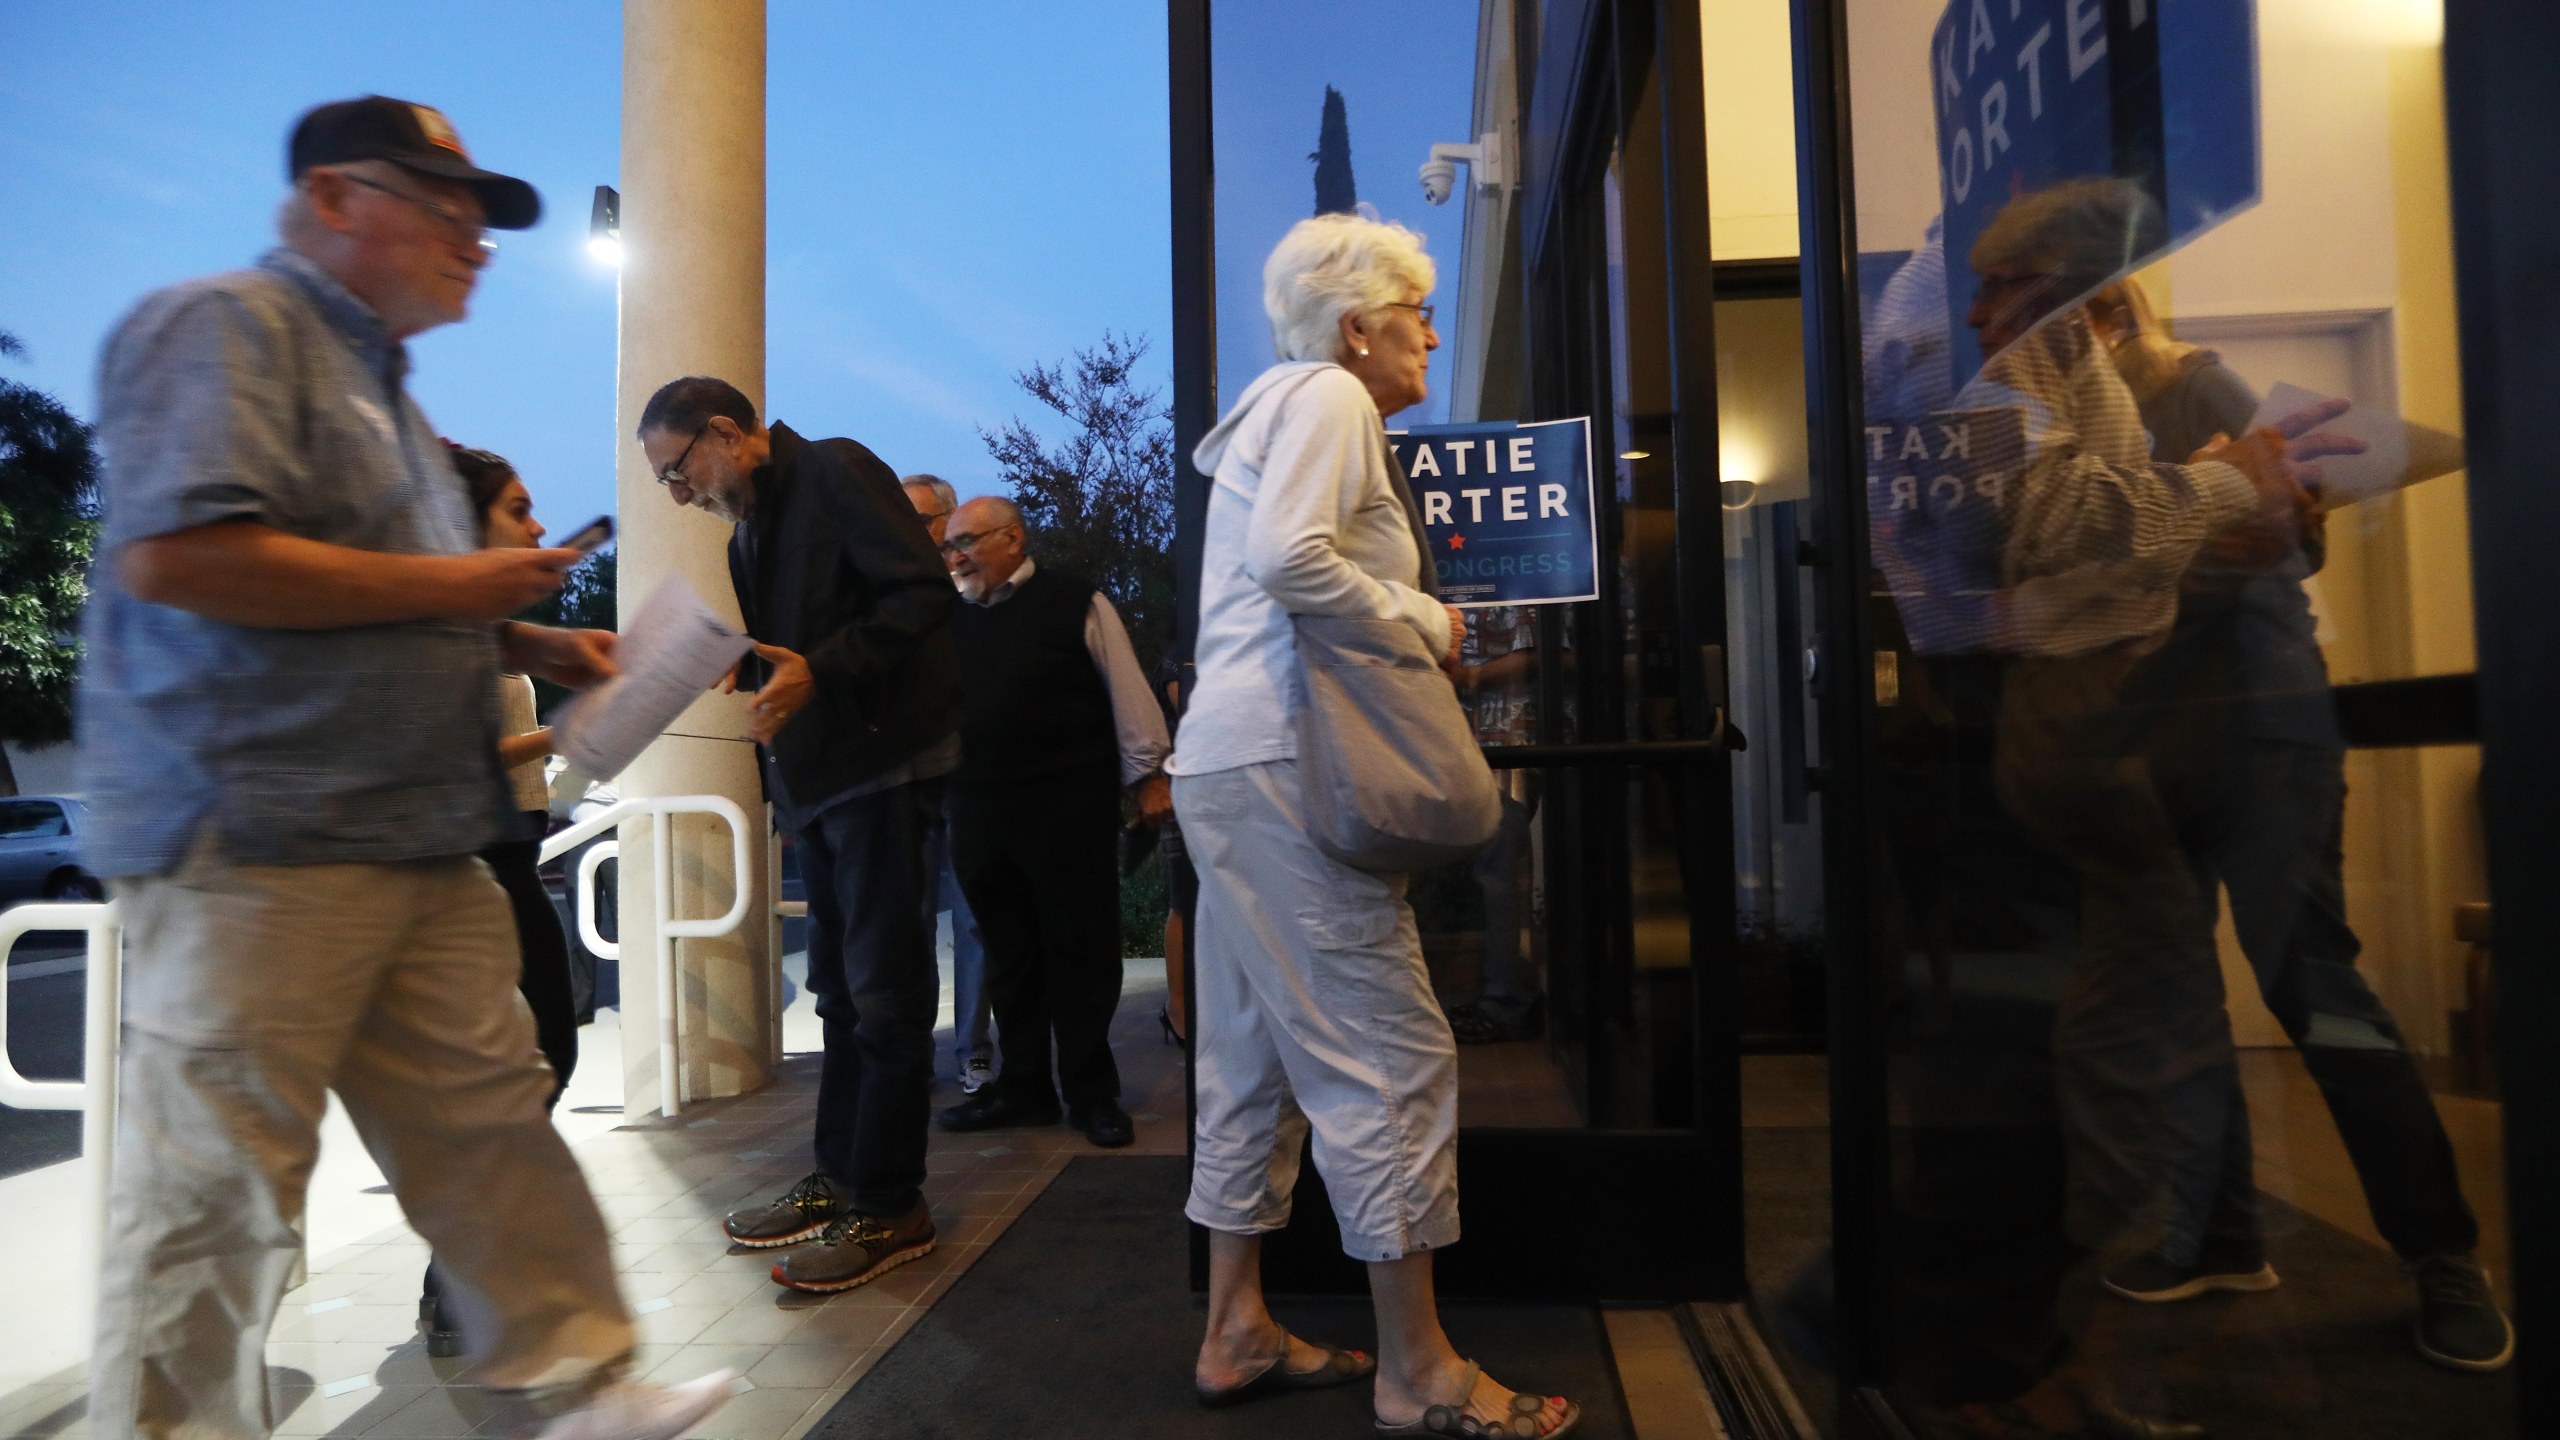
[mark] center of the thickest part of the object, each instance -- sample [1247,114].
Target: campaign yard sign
[2160,94]
[1506,507]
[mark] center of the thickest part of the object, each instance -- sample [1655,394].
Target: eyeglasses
[965,542]
[673,472]
[1425,311]
[461,227]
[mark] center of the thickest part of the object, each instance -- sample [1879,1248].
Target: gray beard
[973,588]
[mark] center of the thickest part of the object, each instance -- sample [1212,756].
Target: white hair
[1330,266]
[943,494]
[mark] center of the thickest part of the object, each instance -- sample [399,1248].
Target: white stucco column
[692,187]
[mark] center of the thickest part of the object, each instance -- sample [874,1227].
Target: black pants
[871,969]
[1039,861]
[544,979]
[2278,852]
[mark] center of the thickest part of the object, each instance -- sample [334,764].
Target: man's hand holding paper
[673,649]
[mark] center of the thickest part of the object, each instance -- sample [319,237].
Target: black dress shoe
[991,1109]
[1105,1124]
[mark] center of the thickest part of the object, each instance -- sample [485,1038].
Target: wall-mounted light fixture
[604,226]
[1635,454]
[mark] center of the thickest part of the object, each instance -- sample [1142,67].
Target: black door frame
[2502,118]
[1671,1198]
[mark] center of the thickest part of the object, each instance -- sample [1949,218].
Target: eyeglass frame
[1426,311]
[672,473]
[454,223]
[965,542]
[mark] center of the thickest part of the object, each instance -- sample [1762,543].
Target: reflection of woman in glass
[1314,1010]
[2264,749]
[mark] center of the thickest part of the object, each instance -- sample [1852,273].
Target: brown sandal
[1520,1424]
[1340,1367]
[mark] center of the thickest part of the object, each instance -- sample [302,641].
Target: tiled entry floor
[344,1357]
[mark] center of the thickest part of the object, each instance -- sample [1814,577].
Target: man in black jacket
[856,722]
[1056,719]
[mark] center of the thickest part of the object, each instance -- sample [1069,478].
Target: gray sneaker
[856,1250]
[803,1213]
[2459,1322]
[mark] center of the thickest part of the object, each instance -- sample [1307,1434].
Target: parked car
[40,850]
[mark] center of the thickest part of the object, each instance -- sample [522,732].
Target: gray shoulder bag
[1394,780]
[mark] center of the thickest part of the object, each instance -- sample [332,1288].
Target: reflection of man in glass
[2244,661]
[2041,566]
[2097,536]
[1498,670]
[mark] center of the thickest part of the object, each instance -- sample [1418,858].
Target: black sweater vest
[1032,703]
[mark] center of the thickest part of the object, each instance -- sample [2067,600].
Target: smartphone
[591,537]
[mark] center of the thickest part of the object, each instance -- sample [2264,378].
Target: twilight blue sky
[1406,70]
[955,192]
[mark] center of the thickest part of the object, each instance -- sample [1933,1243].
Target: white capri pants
[1314,1011]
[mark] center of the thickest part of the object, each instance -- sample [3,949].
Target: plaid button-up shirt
[274,395]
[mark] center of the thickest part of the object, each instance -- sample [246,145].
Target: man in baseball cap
[413,137]
[287,733]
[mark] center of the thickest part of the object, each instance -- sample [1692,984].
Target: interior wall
[1751,144]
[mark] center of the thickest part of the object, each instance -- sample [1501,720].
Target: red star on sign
[1457,542]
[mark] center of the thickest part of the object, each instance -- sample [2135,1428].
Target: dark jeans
[871,968]
[2278,853]
[545,981]
[1040,863]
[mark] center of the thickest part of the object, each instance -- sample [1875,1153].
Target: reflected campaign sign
[1507,509]
[2159,94]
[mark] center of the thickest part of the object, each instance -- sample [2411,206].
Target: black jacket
[833,562]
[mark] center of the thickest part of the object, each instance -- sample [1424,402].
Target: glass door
[2160,1034]
[1585,957]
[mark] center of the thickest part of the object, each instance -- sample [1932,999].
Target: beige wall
[1751,145]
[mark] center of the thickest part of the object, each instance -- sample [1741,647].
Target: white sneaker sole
[779,1241]
[837,1287]
[2262,1279]
[680,1408]
[2455,1362]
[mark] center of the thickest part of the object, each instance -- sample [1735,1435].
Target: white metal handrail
[95,1091]
[665,929]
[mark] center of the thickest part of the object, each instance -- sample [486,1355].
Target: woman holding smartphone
[505,510]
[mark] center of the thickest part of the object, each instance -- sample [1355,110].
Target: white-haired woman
[1313,1007]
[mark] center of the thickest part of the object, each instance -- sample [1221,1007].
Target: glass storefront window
[2191,1121]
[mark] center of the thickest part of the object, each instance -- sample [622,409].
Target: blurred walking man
[856,722]
[288,732]
[1057,719]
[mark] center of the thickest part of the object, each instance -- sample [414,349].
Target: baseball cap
[414,137]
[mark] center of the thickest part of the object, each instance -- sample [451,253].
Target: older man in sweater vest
[1056,720]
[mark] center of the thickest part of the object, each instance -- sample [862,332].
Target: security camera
[1439,177]
[1483,160]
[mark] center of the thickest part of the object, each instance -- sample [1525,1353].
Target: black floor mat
[1080,1322]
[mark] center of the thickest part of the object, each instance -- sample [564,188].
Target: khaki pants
[251,992]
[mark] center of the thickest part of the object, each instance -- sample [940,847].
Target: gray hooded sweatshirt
[1304,519]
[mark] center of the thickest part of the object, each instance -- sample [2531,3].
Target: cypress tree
[1335,194]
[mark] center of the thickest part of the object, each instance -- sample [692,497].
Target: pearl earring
[1364,352]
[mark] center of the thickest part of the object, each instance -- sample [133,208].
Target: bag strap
[1430,582]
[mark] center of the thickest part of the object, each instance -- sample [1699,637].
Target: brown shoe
[856,1250]
[802,1213]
